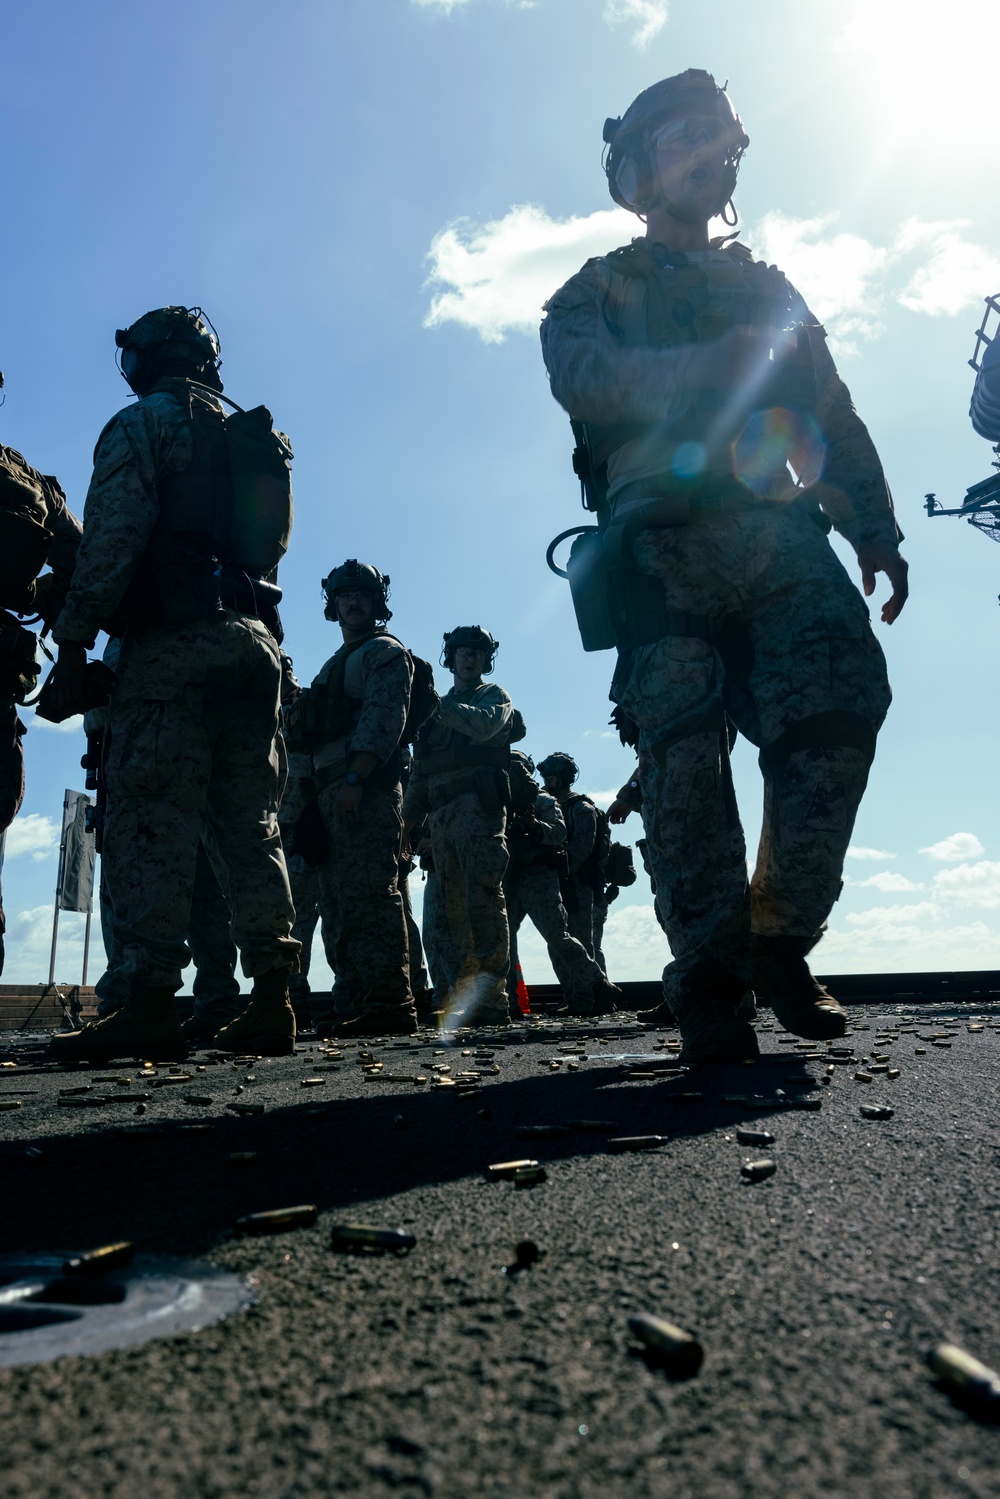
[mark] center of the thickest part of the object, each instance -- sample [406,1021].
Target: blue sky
[371,198]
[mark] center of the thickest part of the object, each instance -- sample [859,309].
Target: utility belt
[463,756]
[491,786]
[616,605]
[382,778]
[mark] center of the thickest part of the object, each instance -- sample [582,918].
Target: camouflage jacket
[150,438]
[601,376]
[377,676]
[482,714]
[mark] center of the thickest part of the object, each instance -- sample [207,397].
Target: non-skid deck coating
[816,1293]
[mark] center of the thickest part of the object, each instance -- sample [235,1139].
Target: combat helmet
[629,160]
[473,636]
[169,340]
[357,575]
[560,765]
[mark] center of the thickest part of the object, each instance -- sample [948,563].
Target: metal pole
[59,885]
[86,947]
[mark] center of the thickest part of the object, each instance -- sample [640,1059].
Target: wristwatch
[353,779]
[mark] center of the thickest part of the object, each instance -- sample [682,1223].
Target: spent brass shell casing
[622,1143]
[277,1220]
[361,1236]
[876,1111]
[73,1102]
[312,1082]
[6,1104]
[97,1261]
[965,1375]
[757,1171]
[504,1169]
[809,1104]
[671,1345]
[246,1108]
[863,1077]
[530,1176]
[202,1099]
[754,1137]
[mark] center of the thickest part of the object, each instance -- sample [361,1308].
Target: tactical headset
[629,158]
[184,335]
[473,636]
[353,574]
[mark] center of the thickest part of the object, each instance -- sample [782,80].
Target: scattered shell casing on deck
[277,1220]
[960,1372]
[757,1171]
[97,1261]
[671,1345]
[362,1236]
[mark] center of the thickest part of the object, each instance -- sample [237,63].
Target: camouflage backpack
[25,536]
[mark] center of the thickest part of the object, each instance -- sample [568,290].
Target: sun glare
[928,66]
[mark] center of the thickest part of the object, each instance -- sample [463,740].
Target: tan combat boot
[781,979]
[147,1026]
[267,1026]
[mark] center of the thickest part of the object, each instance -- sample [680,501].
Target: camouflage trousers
[364,925]
[579,899]
[212,949]
[794,665]
[442,955]
[191,753]
[302,877]
[11,777]
[533,890]
[470,857]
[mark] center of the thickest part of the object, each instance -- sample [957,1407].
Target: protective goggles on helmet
[691,131]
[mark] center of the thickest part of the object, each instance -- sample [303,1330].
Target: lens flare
[779,449]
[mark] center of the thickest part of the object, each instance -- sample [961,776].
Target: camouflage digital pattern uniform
[303,878]
[442,955]
[466,822]
[17,652]
[531,887]
[790,656]
[192,726]
[582,906]
[360,902]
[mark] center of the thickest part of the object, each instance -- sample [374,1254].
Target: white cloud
[647,16]
[887,882]
[836,273]
[32,834]
[494,277]
[971,884]
[498,275]
[856,852]
[954,849]
[890,947]
[602,798]
[895,916]
[958,273]
[68,726]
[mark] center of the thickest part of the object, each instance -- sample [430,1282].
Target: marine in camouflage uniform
[536,838]
[193,715]
[36,528]
[696,377]
[584,884]
[353,719]
[459,784]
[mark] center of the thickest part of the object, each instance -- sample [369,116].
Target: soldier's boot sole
[152,1035]
[267,1026]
